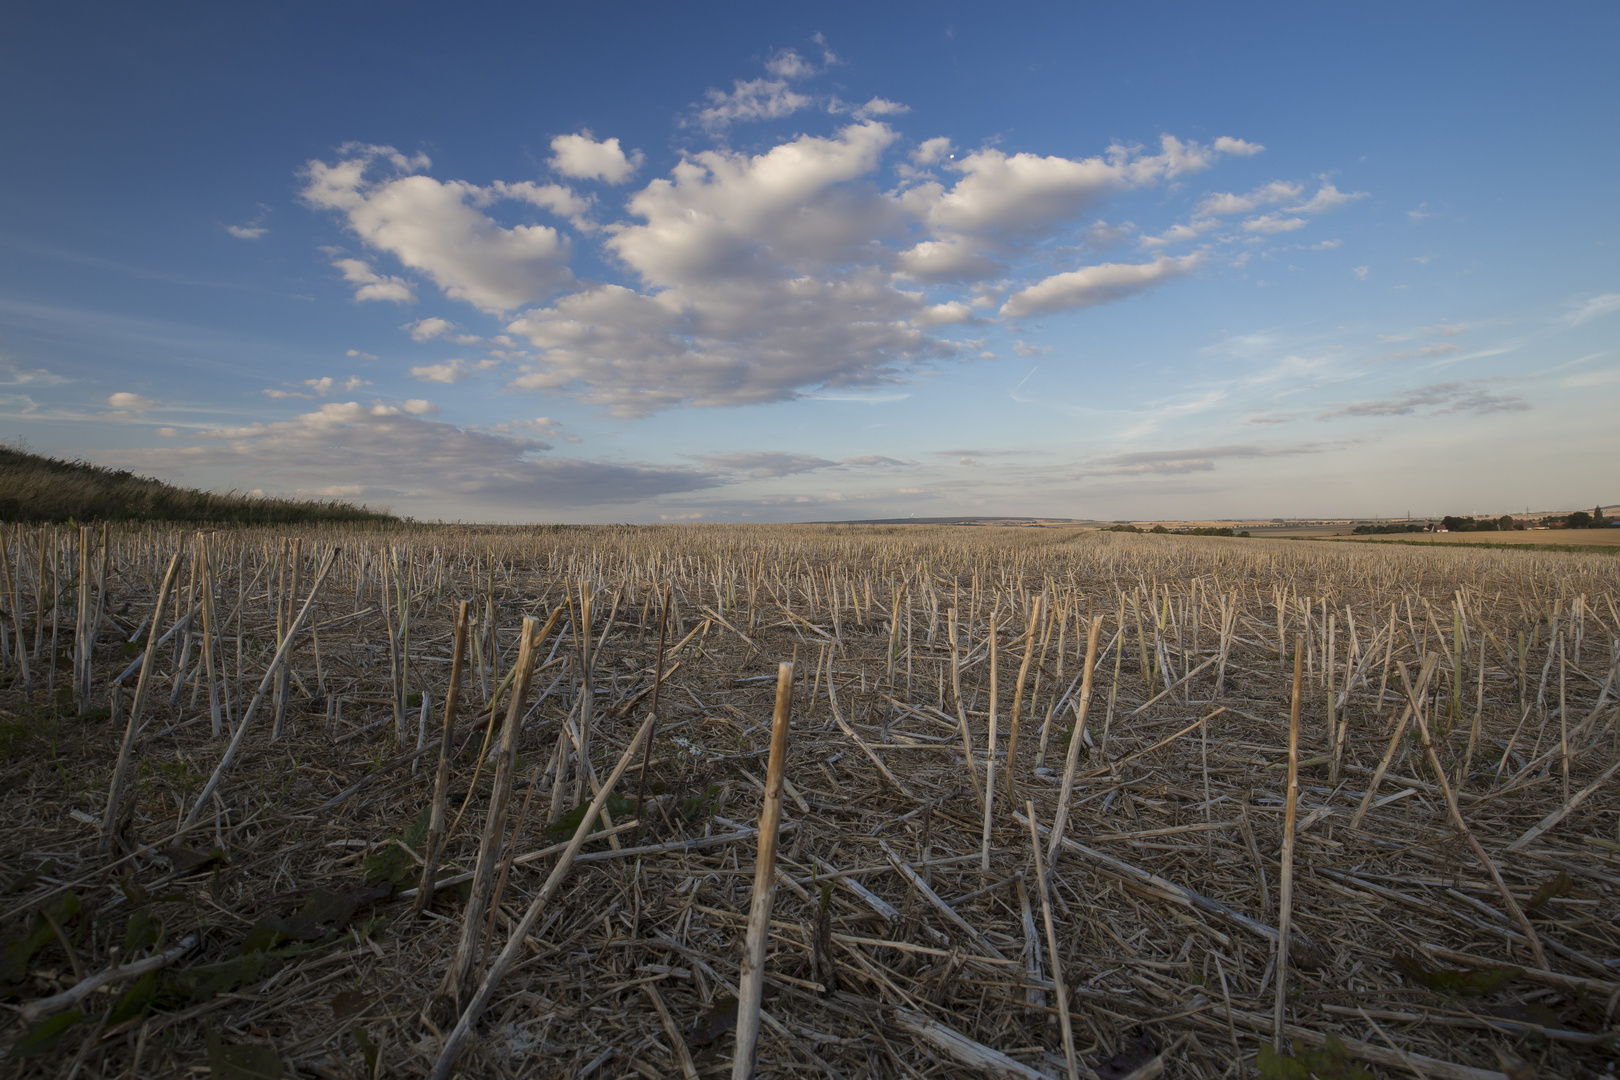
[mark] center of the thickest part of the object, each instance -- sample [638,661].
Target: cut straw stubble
[658,679]
[446,1062]
[1285,890]
[258,698]
[961,716]
[1018,698]
[111,817]
[751,980]
[461,964]
[441,782]
[1054,954]
[1076,738]
[990,760]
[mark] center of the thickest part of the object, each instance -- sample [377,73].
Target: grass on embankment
[38,488]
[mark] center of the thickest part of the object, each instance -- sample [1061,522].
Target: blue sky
[645,262]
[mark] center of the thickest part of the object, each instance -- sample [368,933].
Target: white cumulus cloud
[428,329]
[1327,198]
[583,158]
[440,230]
[811,265]
[372,285]
[451,371]
[752,99]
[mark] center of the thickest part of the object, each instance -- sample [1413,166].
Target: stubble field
[218,833]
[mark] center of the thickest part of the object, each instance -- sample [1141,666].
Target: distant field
[1557,538]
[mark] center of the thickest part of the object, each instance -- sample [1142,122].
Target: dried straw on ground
[1457,809]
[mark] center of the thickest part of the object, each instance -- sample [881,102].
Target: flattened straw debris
[1159,869]
[1111,766]
[677,1042]
[963,1049]
[33,1010]
[950,913]
[1563,811]
[843,726]
[1468,834]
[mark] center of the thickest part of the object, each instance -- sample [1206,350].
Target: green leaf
[391,864]
[617,806]
[387,864]
[694,804]
[1331,1062]
[43,1036]
[1451,982]
[242,1062]
[1275,1066]
[24,880]
[134,1001]
[324,913]
[203,982]
[142,932]
[15,955]
[64,908]
[419,828]
[265,935]
[368,1049]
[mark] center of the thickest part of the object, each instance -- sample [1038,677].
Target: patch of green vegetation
[43,1036]
[1331,1062]
[38,488]
[698,802]
[390,863]
[52,922]
[15,735]
[617,806]
[177,772]
[1455,983]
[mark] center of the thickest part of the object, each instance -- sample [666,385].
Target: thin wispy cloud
[1435,399]
[1176,462]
